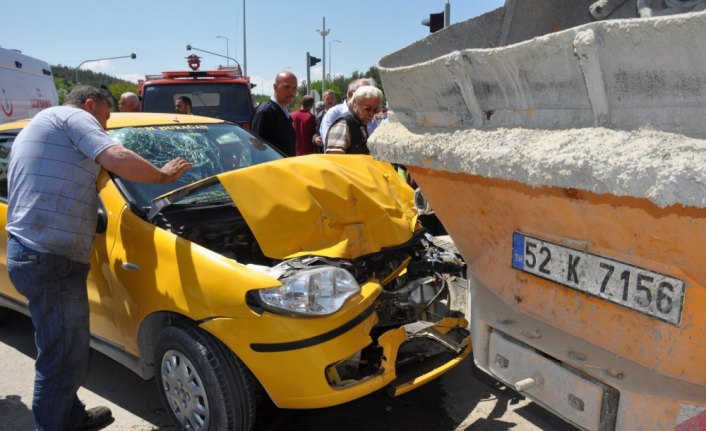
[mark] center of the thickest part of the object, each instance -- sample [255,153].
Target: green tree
[260,98]
[118,88]
[62,88]
[65,76]
[374,73]
[316,86]
[340,82]
[65,80]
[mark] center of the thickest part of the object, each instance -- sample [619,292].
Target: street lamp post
[323,32]
[189,48]
[245,46]
[227,49]
[330,58]
[132,56]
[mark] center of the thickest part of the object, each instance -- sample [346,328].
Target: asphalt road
[462,400]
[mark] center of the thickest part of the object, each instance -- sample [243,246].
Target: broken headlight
[313,292]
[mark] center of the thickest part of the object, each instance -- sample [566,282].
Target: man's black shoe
[96,418]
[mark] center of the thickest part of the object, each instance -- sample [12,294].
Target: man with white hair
[349,134]
[129,102]
[336,111]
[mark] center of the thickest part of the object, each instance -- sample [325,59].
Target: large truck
[563,147]
[223,93]
[26,86]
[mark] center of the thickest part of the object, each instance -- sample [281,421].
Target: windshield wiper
[161,202]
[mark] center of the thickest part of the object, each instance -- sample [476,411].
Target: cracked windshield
[212,148]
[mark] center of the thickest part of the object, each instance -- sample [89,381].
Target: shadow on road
[465,399]
[485,389]
[417,410]
[106,378]
[14,413]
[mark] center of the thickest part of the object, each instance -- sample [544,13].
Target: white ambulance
[26,86]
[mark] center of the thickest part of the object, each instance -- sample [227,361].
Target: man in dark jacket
[271,120]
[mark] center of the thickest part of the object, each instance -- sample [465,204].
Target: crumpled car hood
[338,206]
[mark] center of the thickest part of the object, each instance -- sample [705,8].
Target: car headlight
[313,292]
[421,204]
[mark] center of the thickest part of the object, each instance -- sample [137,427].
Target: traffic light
[312,60]
[435,22]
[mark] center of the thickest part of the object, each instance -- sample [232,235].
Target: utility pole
[245,46]
[227,49]
[447,14]
[324,32]
[133,56]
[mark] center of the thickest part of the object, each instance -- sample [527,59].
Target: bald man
[271,121]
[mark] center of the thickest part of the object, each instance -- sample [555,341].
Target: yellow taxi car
[307,278]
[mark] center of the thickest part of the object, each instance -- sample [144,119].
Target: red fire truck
[223,93]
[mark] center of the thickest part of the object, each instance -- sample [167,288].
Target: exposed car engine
[418,291]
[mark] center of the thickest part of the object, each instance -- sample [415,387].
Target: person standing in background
[382,117]
[271,120]
[318,109]
[183,105]
[329,102]
[129,102]
[345,106]
[304,123]
[349,134]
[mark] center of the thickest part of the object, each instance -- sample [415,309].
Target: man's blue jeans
[55,288]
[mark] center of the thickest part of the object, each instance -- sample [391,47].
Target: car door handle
[130,266]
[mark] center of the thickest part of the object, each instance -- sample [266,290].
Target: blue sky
[278,32]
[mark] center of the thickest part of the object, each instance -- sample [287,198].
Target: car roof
[127,119]
[20,124]
[135,119]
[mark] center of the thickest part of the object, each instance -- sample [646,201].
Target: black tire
[203,384]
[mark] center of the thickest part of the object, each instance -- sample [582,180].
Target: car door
[99,289]
[6,287]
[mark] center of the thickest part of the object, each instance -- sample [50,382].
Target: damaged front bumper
[403,327]
[349,361]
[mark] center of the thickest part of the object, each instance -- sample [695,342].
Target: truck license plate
[639,289]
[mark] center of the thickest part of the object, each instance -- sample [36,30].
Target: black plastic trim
[308,342]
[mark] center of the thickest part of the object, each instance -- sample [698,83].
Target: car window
[212,148]
[6,140]
[227,101]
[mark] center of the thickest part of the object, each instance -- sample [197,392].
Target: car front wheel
[204,385]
